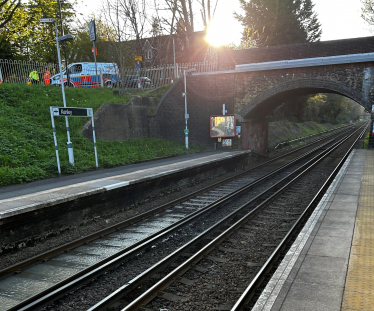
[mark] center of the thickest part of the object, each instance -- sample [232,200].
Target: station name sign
[47,20]
[72,112]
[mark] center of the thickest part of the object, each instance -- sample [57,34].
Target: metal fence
[200,67]
[108,75]
[13,71]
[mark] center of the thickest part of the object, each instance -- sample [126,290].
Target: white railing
[200,67]
[13,71]
[153,77]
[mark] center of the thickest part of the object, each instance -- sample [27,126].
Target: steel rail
[59,289]
[288,142]
[115,296]
[87,239]
[193,260]
[256,282]
[135,282]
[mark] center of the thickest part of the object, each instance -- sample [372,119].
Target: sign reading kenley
[72,112]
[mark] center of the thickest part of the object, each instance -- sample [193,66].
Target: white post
[69,144]
[224,109]
[101,77]
[94,53]
[55,139]
[175,75]
[94,140]
[185,108]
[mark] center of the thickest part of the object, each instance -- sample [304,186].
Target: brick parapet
[229,59]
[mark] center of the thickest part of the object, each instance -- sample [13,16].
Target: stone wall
[122,121]
[205,97]
[253,96]
[228,59]
[258,93]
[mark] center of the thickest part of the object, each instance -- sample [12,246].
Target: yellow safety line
[359,286]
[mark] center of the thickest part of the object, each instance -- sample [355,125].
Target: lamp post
[186,116]
[64,38]
[64,45]
[67,37]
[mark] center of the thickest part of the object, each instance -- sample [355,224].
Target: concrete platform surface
[330,266]
[21,198]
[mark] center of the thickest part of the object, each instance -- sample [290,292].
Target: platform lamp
[186,116]
[62,32]
[64,38]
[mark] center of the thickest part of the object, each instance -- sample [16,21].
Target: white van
[84,75]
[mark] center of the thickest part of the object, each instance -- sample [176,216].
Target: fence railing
[153,77]
[13,71]
[200,67]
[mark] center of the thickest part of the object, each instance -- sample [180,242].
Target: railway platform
[15,200]
[330,264]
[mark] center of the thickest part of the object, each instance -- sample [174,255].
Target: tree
[367,11]
[331,108]
[181,20]
[32,40]
[275,22]
[82,45]
[128,18]
[7,10]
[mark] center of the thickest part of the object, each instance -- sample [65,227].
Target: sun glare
[219,34]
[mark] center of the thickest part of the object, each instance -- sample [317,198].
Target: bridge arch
[268,100]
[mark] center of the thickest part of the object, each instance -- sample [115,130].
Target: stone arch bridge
[252,91]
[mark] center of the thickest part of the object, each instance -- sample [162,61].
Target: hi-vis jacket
[34,75]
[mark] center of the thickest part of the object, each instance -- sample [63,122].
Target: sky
[340,19]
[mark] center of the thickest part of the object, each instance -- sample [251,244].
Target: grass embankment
[27,150]
[281,131]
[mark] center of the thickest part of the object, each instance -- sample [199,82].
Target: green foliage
[7,10]
[26,143]
[7,51]
[31,39]
[276,22]
[331,108]
[321,108]
[82,45]
[286,130]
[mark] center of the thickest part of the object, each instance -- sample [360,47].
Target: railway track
[211,277]
[56,276]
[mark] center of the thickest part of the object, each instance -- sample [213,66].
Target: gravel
[44,245]
[106,284]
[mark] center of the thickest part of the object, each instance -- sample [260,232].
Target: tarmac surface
[330,265]
[31,196]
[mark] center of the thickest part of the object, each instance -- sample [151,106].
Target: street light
[62,32]
[64,38]
[186,116]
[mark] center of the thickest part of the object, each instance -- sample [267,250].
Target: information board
[222,126]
